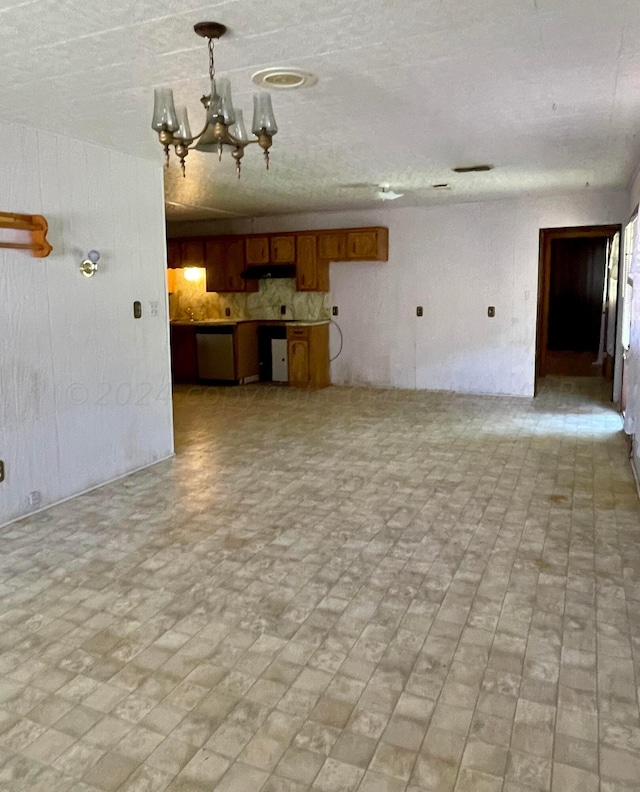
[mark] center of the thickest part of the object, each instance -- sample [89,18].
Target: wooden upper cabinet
[307,263]
[227,257]
[225,262]
[283,249]
[368,244]
[235,264]
[312,274]
[192,252]
[332,246]
[214,258]
[257,250]
[174,253]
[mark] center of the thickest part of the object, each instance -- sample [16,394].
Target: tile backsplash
[191,300]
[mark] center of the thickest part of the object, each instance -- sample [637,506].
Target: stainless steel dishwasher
[214,344]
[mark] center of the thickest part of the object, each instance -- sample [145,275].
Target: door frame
[547,235]
[619,385]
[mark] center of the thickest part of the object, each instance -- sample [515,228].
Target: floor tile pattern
[349,590]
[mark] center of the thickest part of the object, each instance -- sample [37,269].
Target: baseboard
[84,492]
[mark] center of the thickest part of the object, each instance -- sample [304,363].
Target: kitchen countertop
[233,322]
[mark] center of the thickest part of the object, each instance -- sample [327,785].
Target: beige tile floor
[347,590]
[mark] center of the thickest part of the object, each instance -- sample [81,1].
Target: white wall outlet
[153,307]
[34,499]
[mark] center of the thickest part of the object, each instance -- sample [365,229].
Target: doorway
[577,301]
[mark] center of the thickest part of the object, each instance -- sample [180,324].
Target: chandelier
[224,127]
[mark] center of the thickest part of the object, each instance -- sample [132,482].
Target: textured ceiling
[548,91]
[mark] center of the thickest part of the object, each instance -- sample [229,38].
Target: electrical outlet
[1,470]
[283,309]
[34,499]
[419,311]
[227,311]
[153,308]
[334,310]
[491,312]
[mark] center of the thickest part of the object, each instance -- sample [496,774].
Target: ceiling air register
[224,126]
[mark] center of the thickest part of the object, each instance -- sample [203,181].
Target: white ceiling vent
[284,78]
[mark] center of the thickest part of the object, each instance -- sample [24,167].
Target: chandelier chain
[212,66]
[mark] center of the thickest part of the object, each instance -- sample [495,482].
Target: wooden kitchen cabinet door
[214,259]
[332,247]
[192,252]
[184,364]
[283,249]
[308,351]
[235,264]
[224,260]
[368,244]
[307,263]
[174,254]
[362,245]
[298,353]
[257,250]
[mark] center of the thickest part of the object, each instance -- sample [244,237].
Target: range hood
[262,271]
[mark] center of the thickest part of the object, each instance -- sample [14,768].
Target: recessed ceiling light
[473,169]
[284,78]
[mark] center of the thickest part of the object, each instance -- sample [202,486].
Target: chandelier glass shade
[224,127]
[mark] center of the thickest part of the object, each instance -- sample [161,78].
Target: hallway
[349,589]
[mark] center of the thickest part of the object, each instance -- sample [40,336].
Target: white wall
[83,386]
[455,261]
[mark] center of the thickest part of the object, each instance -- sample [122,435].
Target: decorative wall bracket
[35,225]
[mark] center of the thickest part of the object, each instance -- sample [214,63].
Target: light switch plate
[419,311]
[491,311]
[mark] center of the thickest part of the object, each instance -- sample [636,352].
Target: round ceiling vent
[283,79]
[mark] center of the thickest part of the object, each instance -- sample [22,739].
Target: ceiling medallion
[224,125]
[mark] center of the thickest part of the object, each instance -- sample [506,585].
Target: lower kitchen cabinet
[298,357]
[308,355]
[184,364]
[245,349]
